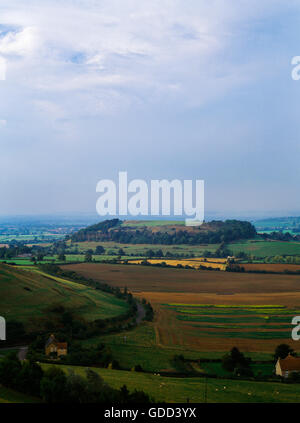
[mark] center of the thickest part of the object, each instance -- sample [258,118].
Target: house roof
[290,363]
[60,345]
[50,340]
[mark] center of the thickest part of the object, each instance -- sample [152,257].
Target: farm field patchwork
[210,311]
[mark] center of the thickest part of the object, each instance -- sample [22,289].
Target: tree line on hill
[208,233]
[55,386]
[280,236]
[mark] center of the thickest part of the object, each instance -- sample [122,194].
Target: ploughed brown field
[165,286]
[271,267]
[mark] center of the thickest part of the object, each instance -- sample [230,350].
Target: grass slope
[25,295]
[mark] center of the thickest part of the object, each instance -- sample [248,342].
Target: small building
[230,259]
[285,366]
[53,347]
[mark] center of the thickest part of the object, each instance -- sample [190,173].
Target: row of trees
[280,236]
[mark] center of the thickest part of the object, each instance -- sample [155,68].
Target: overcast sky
[160,88]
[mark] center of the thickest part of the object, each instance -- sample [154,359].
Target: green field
[171,389]
[264,335]
[236,321]
[266,248]
[256,247]
[138,346]
[263,369]
[70,258]
[26,295]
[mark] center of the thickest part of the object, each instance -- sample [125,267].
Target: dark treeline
[280,236]
[55,386]
[209,233]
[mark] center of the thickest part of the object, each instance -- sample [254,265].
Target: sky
[162,89]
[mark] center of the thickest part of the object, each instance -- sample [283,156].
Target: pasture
[262,249]
[180,390]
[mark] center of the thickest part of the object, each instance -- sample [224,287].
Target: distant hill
[284,224]
[158,232]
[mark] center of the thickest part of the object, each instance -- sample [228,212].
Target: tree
[99,250]
[61,257]
[88,257]
[282,351]
[235,359]
[54,386]
[97,389]
[30,377]
[77,388]
[10,368]
[124,394]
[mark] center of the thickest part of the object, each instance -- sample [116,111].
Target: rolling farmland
[210,311]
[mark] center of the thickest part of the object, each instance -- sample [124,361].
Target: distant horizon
[208,216]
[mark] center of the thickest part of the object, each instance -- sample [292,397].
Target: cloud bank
[161,89]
